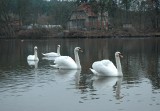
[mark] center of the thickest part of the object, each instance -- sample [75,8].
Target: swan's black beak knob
[80,50]
[120,55]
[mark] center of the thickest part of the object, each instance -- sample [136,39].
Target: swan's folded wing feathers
[50,54]
[97,66]
[59,60]
[106,62]
[31,57]
[64,61]
[53,54]
[104,67]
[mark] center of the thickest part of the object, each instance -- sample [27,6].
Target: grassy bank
[49,33]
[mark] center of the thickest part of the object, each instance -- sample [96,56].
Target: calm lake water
[39,87]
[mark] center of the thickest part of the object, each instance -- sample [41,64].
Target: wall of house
[84,20]
[91,23]
[78,24]
[88,24]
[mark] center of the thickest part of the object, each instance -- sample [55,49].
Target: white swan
[66,62]
[107,68]
[53,54]
[33,57]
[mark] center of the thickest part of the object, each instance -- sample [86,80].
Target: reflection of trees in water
[11,52]
[85,86]
[83,81]
[141,59]
[154,65]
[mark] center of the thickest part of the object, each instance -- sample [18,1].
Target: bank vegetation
[26,18]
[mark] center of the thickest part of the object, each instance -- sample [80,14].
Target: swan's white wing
[105,68]
[50,54]
[50,58]
[65,62]
[31,57]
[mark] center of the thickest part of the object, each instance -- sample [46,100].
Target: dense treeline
[29,11]
[33,12]
[142,14]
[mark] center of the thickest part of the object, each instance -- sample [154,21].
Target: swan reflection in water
[33,64]
[91,84]
[87,83]
[108,82]
[67,75]
[118,88]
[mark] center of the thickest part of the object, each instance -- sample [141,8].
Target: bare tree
[6,28]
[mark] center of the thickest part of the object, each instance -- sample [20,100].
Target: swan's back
[65,62]
[31,58]
[51,54]
[105,68]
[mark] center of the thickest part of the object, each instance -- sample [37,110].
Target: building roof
[81,12]
[87,9]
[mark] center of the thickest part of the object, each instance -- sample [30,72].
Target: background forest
[144,15]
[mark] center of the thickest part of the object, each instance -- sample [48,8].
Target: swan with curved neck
[33,57]
[53,54]
[107,68]
[66,62]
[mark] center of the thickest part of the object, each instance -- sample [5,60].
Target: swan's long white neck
[119,68]
[77,59]
[58,50]
[35,53]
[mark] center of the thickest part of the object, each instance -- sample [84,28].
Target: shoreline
[77,37]
[32,34]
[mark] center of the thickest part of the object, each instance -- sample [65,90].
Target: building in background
[83,18]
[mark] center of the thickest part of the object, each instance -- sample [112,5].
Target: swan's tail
[54,66]
[43,54]
[94,72]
